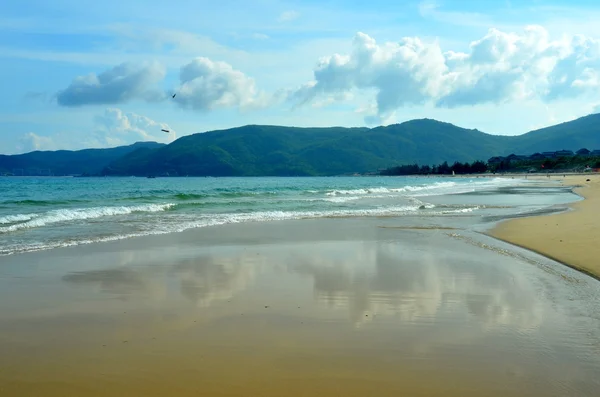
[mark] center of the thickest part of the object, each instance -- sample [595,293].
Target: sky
[102,74]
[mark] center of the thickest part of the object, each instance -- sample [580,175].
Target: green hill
[572,135]
[255,150]
[271,150]
[67,162]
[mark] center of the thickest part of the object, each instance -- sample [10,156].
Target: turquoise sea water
[45,213]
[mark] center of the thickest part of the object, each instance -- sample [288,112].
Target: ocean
[46,213]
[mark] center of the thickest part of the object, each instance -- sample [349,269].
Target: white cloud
[204,85]
[207,85]
[501,67]
[116,127]
[112,128]
[288,16]
[122,83]
[328,100]
[30,142]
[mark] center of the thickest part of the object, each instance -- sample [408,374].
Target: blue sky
[99,74]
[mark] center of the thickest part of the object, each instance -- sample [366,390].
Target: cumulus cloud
[204,85]
[122,83]
[207,85]
[30,142]
[116,127]
[500,67]
[112,128]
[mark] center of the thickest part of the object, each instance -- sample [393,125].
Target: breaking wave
[27,221]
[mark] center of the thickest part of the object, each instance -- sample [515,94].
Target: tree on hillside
[443,168]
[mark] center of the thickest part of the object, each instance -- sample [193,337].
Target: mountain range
[260,150]
[67,162]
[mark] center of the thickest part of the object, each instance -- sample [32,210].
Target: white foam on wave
[182,225]
[333,199]
[359,191]
[342,199]
[16,218]
[18,249]
[382,190]
[458,211]
[470,185]
[345,199]
[266,216]
[433,189]
[65,215]
[176,224]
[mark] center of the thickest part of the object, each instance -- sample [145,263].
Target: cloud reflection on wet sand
[388,279]
[394,307]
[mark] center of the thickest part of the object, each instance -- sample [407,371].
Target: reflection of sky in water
[208,279]
[202,279]
[423,288]
[417,282]
[417,299]
[420,277]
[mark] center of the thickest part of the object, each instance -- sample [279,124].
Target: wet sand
[344,307]
[569,237]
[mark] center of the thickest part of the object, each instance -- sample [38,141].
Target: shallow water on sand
[348,307]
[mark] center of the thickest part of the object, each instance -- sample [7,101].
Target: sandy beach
[351,307]
[570,237]
[418,304]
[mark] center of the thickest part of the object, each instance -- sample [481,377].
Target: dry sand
[572,237]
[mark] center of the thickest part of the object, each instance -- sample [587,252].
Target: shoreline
[568,237]
[322,306]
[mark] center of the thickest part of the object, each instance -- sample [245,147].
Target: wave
[458,211]
[16,218]
[29,221]
[381,190]
[433,189]
[190,196]
[176,226]
[446,187]
[198,196]
[341,199]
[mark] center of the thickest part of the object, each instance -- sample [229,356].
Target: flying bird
[173,96]
[167,131]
